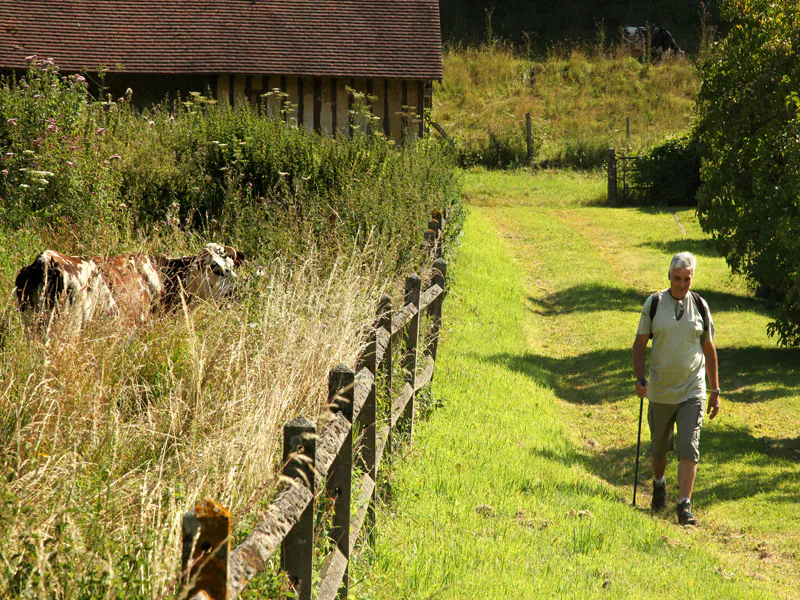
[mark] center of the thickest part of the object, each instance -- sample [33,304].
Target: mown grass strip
[495,500]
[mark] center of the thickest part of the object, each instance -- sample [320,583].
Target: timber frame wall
[323,104]
[329,464]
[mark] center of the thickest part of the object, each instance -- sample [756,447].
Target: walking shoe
[685,516]
[659,501]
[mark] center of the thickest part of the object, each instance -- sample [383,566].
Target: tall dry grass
[109,435]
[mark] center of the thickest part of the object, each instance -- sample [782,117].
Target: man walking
[683,353]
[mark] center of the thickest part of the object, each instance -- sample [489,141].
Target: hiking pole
[638,445]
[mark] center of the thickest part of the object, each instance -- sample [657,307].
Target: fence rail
[316,462]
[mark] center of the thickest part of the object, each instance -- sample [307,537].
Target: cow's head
[213,274]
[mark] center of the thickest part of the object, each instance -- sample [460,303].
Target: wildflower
[79,78]
[105,162]
[282,173]
[151,123]
[9,155]
[100,130]
[30,58]
[24,186]
[43,181]
[37,96]
[115,157]
[12,121]
[4,172]
[70,163]
[52,128]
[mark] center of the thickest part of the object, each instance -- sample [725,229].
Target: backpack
[698,302]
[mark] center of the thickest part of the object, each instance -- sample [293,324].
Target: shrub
[670,173]
[111,175]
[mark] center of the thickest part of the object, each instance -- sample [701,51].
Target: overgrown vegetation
[669,174]
[749,125]
[107,437]
[578,97]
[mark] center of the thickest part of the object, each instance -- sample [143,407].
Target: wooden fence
[623,185]
[324,462]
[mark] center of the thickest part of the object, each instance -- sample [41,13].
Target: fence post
[297,549]
[435,308]
[341,392]
[385,321]
[612,177]
[413,291]
[206,533]
[369,428]
[529,137]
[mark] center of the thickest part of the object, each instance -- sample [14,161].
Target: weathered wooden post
[341,393]
[369,428]
[612,177]
[529,137]
[627,135]
[413,291]
[385,322]
[435,307]
[204,560]
[299,458]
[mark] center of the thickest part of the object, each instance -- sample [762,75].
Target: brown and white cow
[129,286]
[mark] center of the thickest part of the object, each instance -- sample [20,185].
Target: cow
[55,282]
[130,287]
[661,42]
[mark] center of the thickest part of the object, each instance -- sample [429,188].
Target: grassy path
[519,485]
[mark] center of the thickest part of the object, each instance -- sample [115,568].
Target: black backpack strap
[701,308]
[653,308]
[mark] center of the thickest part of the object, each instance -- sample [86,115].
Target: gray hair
[682,260]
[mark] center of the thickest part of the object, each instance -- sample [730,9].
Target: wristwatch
[642,382]
[714,391]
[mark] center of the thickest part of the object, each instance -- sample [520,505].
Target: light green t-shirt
[677,363]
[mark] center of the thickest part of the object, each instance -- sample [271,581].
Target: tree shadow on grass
[605,376]
[594,297]
[697,246]
[744,466]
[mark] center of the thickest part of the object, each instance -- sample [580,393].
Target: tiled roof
[344,38]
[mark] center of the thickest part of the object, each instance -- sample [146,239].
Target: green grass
[538,420]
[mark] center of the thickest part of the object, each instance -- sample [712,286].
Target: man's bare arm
[712,372]
[639,348]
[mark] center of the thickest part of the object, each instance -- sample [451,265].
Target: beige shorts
[662,418]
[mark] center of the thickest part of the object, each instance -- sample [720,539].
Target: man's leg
[661,419]
[690,421]
[659,468]
[687,471]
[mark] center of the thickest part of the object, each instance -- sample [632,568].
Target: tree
[749,126]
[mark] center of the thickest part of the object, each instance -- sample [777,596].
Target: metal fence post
[297,549]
